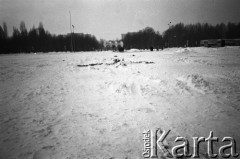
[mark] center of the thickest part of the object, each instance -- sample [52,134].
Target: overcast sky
[108,19]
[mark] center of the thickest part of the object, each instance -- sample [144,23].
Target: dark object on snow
[151,48]
[91,64]
[114,61]
[146,62]
[121,49]
[82,65]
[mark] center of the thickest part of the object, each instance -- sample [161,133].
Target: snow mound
[198,81]
[127,88]
[132,85]
[185,51]
[124,88]
[134,50]
[194,82]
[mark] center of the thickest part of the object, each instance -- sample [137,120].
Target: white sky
[108,19]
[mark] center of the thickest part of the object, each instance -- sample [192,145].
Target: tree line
[191,34]
[180,35]
[143,39]
[40,40]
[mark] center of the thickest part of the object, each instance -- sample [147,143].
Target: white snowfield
[97,104]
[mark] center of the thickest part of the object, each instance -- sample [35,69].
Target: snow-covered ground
[97,104]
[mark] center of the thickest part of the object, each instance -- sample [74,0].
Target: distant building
[220,42]
[113,45]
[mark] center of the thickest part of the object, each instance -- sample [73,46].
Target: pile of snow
[194,82]
[127,88]
[133,50]
[183,50]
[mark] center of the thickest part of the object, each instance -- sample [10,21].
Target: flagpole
[71,30]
